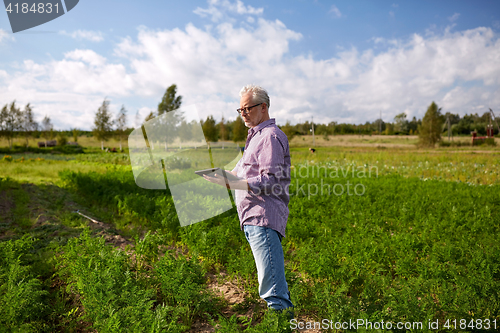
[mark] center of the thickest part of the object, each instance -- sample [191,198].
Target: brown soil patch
[231,292]
[115,240]
[201,327]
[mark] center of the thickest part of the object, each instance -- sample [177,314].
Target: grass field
[348,141]
[379,230]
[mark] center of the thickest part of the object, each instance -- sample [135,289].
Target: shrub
[444,143]
[113,298]
[62,140]
[21,293]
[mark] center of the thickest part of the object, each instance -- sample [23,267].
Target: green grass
[464,167]
[42,169]
[405,250]
[419,244]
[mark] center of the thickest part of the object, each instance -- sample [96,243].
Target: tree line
[175,125]
[15,122]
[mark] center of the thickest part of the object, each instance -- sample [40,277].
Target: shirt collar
[261,126]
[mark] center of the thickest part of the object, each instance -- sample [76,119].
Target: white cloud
[218,9]
[386,42]
[460,71]
[351,86]
[87,56]
[454,17]
[93,36]
[335,11]
[4,35]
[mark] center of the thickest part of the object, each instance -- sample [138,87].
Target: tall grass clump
[183,288]
[136,291]
[22,295]
[112,297]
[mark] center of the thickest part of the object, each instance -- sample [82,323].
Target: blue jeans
[268,254]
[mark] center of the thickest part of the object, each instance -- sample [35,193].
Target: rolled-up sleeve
[272,167]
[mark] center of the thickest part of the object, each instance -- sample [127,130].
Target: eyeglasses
[247,110]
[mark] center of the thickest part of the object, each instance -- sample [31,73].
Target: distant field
[82,140]
[351,141]
[373,141]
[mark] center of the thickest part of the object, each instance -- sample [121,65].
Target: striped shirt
[266,166]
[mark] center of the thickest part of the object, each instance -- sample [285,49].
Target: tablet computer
[219,171]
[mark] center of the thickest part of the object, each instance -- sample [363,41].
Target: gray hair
[259,94]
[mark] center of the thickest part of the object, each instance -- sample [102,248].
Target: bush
[485,142]
[111,294]
[62,140]
[490,142]
[443,143]
[22,295]
[183,287]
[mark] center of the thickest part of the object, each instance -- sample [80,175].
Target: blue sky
[343,61]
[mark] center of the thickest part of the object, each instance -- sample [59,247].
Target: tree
[11,120]
[332,125]
[29,125]
[75,133]
[3,116]
[168,126]
[62,139]
[400,123]
[289,130]
[223,133]
[47,128]
[378,126]
[169,102]
[121,124]
[413,125]
[185,131]
[239,131]
[102,123]
[210,130]
[150,116]
[430,131]
[389,129]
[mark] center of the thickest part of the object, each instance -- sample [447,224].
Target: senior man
[262,195]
